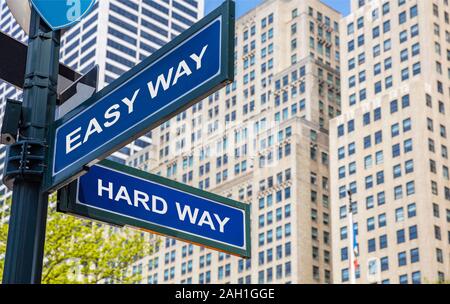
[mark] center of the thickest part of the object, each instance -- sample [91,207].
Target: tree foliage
[82,251]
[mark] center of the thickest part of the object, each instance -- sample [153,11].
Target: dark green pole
[26,236]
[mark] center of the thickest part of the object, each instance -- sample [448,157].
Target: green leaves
[3,236]
[82,251]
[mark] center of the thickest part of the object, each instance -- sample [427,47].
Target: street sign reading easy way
[186,70]
[123,196]
[63,13]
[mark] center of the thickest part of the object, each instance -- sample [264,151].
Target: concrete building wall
[395,92]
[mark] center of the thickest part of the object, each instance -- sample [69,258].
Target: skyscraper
[262,140]
[390,146]
[115,35]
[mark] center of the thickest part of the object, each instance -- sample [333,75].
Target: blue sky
[243,6]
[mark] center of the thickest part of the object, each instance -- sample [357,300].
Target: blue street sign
[194,65]
[123,196]
[59,14]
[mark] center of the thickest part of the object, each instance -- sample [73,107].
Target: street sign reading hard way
[123,196]
[195,64]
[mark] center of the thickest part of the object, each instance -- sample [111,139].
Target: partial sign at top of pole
[62,14]
[21,10]
[194,65]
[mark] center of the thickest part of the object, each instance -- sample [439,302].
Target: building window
[400,236]
[344,275]
[413,232]
[384,264]
[402,259]
[414,253]
[403,279]
[416,278]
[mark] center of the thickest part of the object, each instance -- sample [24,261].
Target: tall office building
[115,35]
[262,140]
[390,146]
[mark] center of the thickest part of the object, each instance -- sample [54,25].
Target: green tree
[83,251]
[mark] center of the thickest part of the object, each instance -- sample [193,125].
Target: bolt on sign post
[124,196]
[25,163]
[191,67]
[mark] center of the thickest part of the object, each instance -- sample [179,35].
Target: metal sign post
[25,161]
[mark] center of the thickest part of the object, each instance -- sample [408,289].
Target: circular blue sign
[59,14]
